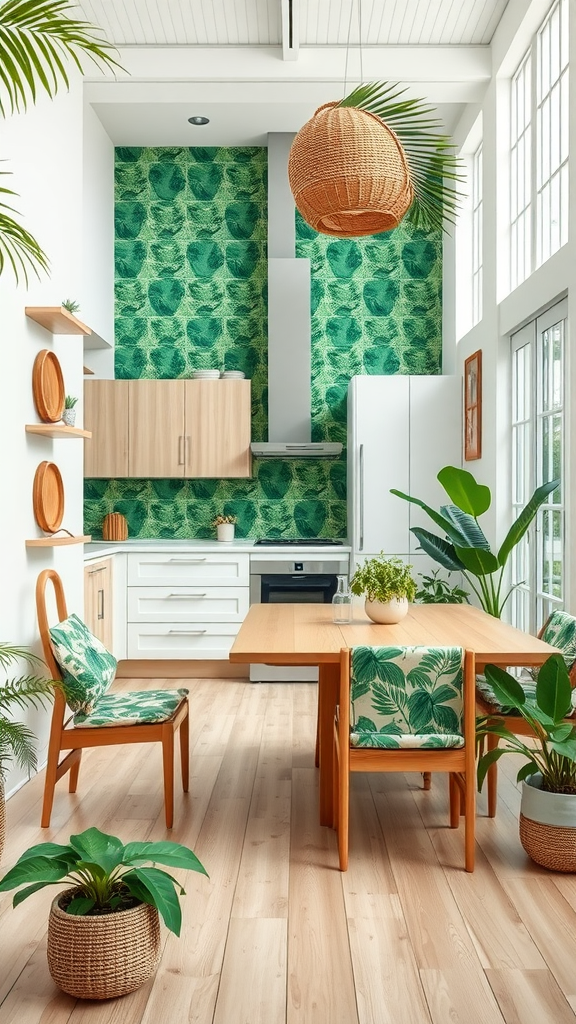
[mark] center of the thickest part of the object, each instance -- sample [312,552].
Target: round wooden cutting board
[48,497]
[48,386]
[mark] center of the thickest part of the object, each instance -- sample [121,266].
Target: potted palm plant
[103,931]
[388,586]
[464,547]
[17,742]
[548,776]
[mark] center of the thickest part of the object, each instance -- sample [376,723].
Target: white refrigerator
[401,431]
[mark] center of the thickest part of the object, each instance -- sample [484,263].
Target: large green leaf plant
[464,547]
[17,741]
[37,40]
[106,875]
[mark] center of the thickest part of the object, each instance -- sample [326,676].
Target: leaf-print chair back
[82,675]
[406,697]
[560,632]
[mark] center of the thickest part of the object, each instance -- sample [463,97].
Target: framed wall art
[473,406]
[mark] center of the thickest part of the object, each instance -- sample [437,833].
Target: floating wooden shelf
[88,370]
[56,430]
[57,320]
[56,542]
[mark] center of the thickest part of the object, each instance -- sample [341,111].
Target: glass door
[538,441]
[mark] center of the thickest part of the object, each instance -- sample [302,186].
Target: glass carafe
[342,602]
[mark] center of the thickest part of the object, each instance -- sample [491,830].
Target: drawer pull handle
[196,597]
[187,632]
[184,561]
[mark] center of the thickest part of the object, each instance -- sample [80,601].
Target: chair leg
[317,747]
[454,800]
[50,781]
[426,780]
[74,772]
[168,764]
[343,813]
[185,752]
[469,821]
[492,778]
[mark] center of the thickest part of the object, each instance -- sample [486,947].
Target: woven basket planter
[2,816]
[548,826]
[103,957]
[348,173]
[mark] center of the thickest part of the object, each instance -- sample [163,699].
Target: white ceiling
[252,70]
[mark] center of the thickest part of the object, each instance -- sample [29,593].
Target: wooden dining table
[304,634]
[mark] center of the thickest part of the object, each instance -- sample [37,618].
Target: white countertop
[99,549]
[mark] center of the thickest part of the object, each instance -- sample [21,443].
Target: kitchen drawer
[209,640]
[187,604]
[226,569]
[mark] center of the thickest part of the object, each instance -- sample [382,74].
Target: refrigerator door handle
[361,489]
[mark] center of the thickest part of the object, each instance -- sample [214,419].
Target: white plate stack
[233,375]
[205,374]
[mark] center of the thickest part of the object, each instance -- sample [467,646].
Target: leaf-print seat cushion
[139,707]
[88,669]
[560,632]
[406,697]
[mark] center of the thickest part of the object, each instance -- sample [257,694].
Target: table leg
[328,686]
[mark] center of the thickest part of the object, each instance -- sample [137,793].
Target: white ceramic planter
[225,532]
[548,826]
[387,612]
[69,417]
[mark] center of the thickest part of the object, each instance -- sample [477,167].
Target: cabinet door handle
[195,597]
[187,449]
[100,604]
[361,490]
[187,632]
[181,450]
[94,572]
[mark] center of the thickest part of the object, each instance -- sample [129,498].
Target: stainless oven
[291,578]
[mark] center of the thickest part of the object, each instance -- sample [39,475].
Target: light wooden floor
[278,934]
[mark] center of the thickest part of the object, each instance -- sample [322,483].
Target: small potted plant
[388,586]
[17,742]
[104,932]
[71,305]
[225,528]
[437,590]
[548,777]
[69,412]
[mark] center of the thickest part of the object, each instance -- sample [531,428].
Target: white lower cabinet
[185,606]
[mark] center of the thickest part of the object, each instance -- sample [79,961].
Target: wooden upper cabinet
[168,428]
[106,415]
[156,428]
[218,428]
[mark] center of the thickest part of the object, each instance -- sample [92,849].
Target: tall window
[477,236]
[538,456]
[539,158]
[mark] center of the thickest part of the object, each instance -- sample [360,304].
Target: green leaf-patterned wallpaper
[191,293]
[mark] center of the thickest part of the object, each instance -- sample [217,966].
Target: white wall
[44,150]
[98,241]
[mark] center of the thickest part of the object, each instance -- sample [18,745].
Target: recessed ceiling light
[199,119]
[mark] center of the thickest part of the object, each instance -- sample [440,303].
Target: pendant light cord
[359,11]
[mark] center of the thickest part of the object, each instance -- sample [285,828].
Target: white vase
[548,826]
[387,612]
[69,417]
[225,532]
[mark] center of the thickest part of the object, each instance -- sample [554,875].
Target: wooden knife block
[115,527]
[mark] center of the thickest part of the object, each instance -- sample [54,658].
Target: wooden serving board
[48,386]
[48,497]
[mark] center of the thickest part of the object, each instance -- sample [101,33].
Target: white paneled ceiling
[319,22]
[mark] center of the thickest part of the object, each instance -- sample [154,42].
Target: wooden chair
[356,751]
[559,630]
[65,736]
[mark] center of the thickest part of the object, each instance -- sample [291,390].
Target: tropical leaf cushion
[140,707]
[406,697]
[88,669]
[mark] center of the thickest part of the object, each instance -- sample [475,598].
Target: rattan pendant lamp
[360,164]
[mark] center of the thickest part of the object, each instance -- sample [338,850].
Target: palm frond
[17,743]
[37,39]
[432,161]
[24,691]
[9,653]
[18,248]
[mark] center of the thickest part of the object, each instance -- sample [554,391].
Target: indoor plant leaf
[438,548]
[35,869]
[477,560]
[464,491]
[469,528]
[154,887]
[553,690]
[173,854]
[98,848]
[519,527]
[446,524]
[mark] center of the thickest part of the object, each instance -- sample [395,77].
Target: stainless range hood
[289,346]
